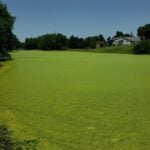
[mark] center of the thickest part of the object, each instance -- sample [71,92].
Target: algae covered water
[77,100]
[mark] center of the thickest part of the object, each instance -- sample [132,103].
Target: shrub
[143,47]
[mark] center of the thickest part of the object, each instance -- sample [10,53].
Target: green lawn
[126,49]
[77,100]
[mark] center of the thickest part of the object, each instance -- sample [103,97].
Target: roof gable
[131,39]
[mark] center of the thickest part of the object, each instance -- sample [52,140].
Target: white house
[125,40]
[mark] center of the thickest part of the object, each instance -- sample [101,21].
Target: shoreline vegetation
[109,49]
[9,141]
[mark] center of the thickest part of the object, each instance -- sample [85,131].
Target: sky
[77,17]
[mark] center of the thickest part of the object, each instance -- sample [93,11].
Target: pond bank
[1,65]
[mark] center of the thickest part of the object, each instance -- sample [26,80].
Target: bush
[4,55]
[143,47]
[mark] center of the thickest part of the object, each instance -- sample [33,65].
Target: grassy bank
[77,101]
[111,49]
[1,65]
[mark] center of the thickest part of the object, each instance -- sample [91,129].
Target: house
[125,40]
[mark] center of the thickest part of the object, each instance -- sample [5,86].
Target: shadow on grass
[1,65]
[127,49]
[8,142]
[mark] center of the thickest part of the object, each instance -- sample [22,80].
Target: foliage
[121,34]
[61,42]
[30,43]
[102,40]
[143,47]
[8,40]
[47,42]
[7,142]
[90,42]
[109,41]
[76,42]
[6,26]
[144,31]
[13,42]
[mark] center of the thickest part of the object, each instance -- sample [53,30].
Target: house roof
[132,39]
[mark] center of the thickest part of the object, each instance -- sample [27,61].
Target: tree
[47,42]
[102,40]
[90,42]
[109,41]
[142,48]
[128,35]
[6,26]
[31,43]
[95,41]
[119,34]
[61,42]
[13,42]
[76,42]
[144,32]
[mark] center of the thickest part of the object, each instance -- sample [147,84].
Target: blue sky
[78,17]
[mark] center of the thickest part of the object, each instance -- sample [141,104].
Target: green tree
[144,32]
[102,40]
[61,42]
[13,42]
[76,42]
[142,48]
[31,43]
[47,42]
[109,41]
[119,34]
[6,26]
[90,42]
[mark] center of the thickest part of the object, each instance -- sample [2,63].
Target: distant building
[100,44]
[126,40]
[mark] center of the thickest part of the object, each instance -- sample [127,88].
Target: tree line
[59,41]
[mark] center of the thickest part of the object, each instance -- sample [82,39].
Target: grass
[78,101]
[127,49]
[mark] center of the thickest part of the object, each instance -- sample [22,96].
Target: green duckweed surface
[78,100]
